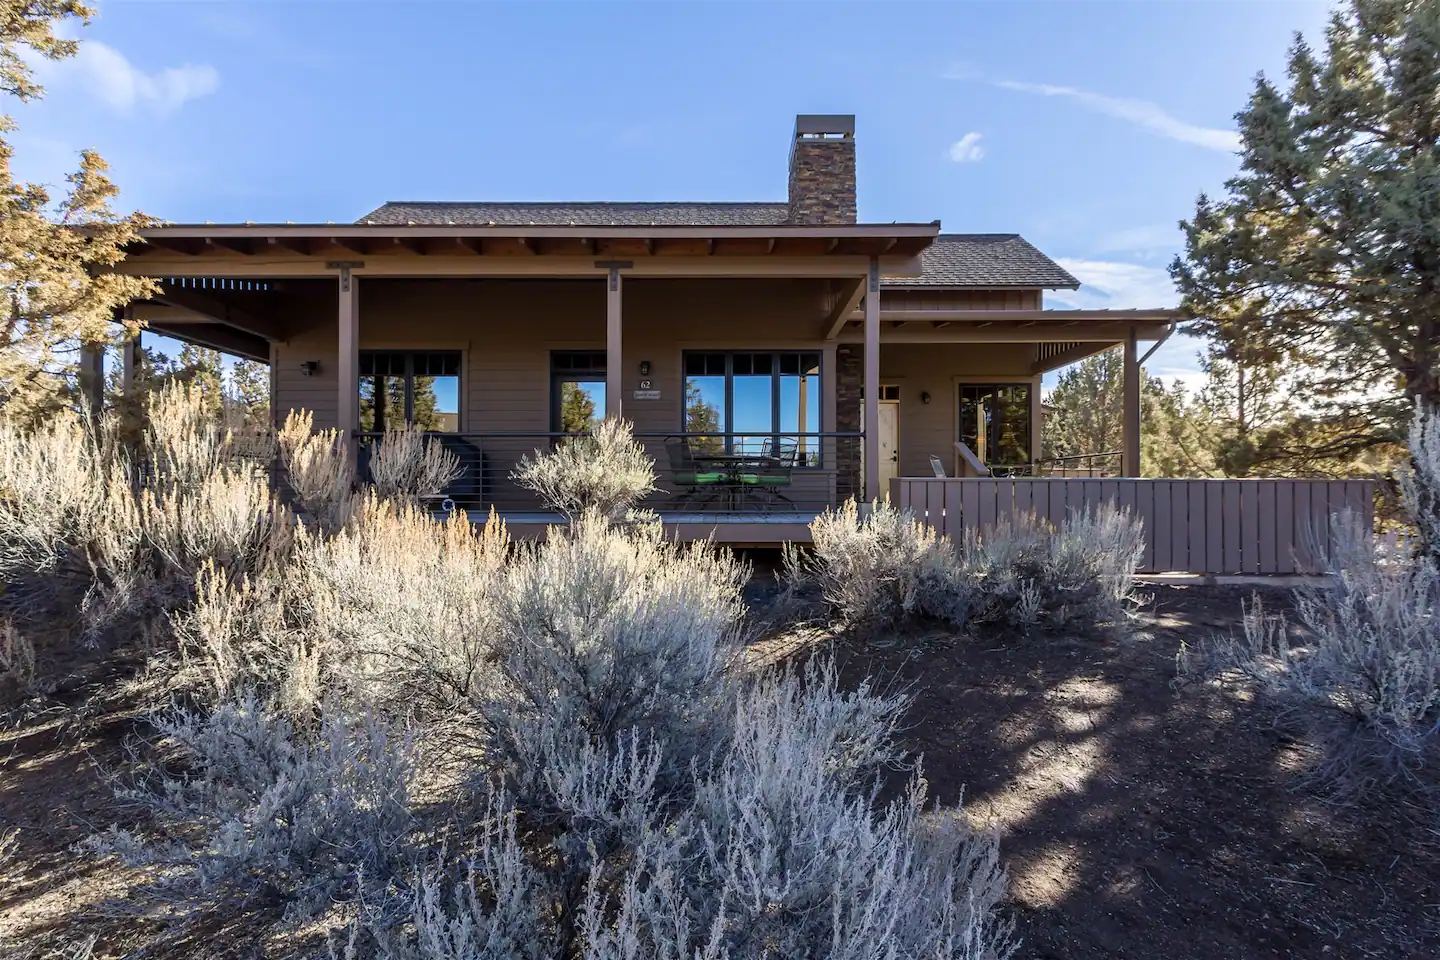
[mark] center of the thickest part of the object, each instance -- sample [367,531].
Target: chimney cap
[824,124]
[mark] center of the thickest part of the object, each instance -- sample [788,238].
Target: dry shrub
[1362,679]
[405,465]
[606,473]
[879,567]
[318,466]
[885,566]
[119,533]
[576,760]
[268,813]
[1026,574]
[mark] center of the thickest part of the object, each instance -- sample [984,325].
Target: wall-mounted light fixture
[924,396]
[644,368]
[309,367]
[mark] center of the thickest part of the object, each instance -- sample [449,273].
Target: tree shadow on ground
[1142,819]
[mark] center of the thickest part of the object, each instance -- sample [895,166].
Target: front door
[888,436]
[889,440]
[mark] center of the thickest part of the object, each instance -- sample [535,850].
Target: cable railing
[723,474]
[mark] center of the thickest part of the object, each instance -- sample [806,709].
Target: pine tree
[55,288]
[1324,256]
[1085,415]
[577,410]
[247,389]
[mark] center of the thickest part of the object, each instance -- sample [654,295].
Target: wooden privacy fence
[1195,526]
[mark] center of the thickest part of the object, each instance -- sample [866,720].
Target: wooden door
[889,441]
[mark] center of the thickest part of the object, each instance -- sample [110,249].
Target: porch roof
[894,241]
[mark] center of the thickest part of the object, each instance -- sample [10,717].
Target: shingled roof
[953,260]
[985,260]
[579,214]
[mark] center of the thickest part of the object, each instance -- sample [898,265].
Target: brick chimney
[822,169]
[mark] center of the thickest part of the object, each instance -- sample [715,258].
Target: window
[995,422]
[770,399]
[577,390]
[398,386]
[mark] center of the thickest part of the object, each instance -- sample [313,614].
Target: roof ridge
[586,203]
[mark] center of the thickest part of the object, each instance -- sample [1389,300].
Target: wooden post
[92,376]
[614,374]
[872,383]
[347,409]
[130,363]
[1130,459]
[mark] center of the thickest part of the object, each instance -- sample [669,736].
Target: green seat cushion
[765,480]
[698,479]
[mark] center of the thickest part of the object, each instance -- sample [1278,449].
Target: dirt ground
[1137,819]
[1142,820]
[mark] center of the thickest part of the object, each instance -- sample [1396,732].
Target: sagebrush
[443,744]
[1358,670]
[880,566]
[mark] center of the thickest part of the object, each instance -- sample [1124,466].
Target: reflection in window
[398,387]
[754,402]
[577,390]
[995,422]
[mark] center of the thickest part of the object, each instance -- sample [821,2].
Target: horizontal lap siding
[1195,526]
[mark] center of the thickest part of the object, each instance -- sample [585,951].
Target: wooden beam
[614,343]
[1130,460]
[1069,355]
[872,384]
[217,337]
[347,410]
[220,311]
[846,300]
[227,246]
[1040,333]
[546,265]
[301,245]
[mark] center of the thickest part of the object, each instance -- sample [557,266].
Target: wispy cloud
[116,81]
[1116,285]
[967,149]
[1140,112]
[1144,241]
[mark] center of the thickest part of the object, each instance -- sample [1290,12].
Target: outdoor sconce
[309,367]
[924,396]
[644,368]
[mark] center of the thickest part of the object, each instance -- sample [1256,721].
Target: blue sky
[1087,127]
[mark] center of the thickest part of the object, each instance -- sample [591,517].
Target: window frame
[559,374]
[1032,398]
[777,430]
[409,355]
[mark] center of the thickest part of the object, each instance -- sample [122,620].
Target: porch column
[347,407]
[872,383]
[1130,456]
[92,376]
[130,363]
[614,370]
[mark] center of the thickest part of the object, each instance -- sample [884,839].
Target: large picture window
[995,422]
[773,397]
[577,390]
[418,387]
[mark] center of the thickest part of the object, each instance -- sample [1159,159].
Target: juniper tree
[56,290]
[1325,251]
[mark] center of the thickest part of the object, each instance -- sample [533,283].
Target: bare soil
[1138,819]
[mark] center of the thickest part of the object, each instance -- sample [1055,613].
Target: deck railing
[755,476]
[1194,526]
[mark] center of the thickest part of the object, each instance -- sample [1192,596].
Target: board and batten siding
[1194,526]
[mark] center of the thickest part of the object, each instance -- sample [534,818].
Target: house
[775,356]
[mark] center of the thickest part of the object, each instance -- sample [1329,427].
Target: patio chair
[937,467]
[772,472]
[698,486]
